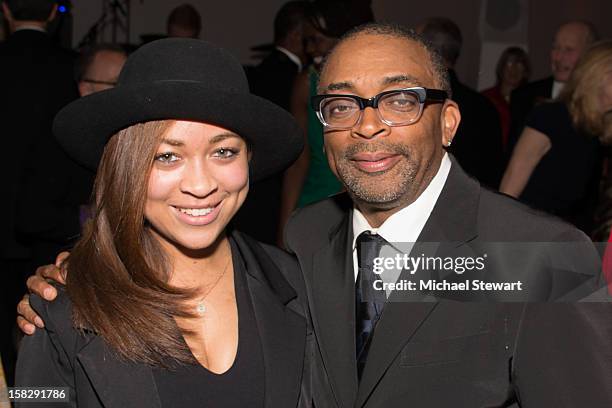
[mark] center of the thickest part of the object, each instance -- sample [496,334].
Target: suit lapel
[333,301]
[282,331]
[117,383]
[453,220]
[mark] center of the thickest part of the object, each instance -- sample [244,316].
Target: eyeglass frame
[423,94]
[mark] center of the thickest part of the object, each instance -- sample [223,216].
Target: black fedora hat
[182,79]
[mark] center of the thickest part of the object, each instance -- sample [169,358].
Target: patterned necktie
[369,302]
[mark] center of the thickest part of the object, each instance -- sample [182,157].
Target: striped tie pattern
[369,302]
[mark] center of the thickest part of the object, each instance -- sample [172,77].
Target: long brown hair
[117,273]
[581,93]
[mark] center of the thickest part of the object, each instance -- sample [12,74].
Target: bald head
[570,42]
[100,69]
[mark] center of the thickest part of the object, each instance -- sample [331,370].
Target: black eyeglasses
[398,107]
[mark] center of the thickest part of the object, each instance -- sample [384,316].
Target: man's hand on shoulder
[27,319]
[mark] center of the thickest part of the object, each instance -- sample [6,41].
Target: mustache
[394,148]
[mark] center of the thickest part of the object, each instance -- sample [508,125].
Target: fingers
[38,285]
[51,272]
[27,316]
[24,326]
[61,258]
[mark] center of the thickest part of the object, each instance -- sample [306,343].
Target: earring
[448,144]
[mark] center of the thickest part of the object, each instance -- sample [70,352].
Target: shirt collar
[406,224]
[556,89]
[291,56]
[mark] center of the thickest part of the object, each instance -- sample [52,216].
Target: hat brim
[84,126]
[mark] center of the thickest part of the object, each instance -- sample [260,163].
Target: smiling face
[570,42]
[198,181]
[385,168]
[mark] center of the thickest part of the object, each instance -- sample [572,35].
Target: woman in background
[511,72]
[556,164]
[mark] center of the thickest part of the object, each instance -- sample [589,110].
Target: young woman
[165,305]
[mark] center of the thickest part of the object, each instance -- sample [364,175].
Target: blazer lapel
[453,220]
[282,331]
[117,383]
[333,303]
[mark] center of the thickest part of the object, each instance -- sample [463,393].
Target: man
[55,179]
[570,42]
[65,186]
[36,81]
[478,142]
[273,80]
[273,77]
[403,187]
[98,68]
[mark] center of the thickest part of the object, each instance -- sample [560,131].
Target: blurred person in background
[36,81]
[273,80]
[309,179]
[512,71]
[64,185]
[556,164]
[477,146]
[570,41]
[98,68]
[184,21]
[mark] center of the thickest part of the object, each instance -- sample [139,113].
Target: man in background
[478,142]
[56,190]
[98,68]
[570,42]
[273,80]
[273,77]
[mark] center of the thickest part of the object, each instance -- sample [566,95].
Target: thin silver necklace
[201,306]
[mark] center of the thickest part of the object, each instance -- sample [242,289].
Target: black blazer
[45,189]
[273,79]
[450,353]
[60,356]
